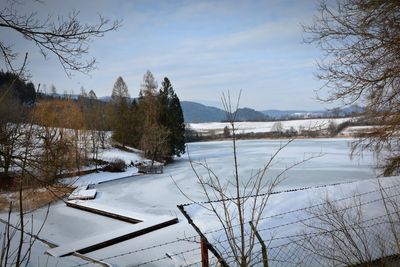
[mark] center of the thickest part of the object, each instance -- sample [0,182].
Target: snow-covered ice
[158,194]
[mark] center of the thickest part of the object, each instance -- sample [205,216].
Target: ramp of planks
[140,224]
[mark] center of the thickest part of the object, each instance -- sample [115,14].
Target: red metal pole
[204,253]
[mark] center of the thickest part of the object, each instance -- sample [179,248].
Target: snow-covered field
[154,195]
[264,127]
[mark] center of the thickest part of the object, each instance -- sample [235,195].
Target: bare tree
[154,142]
[17,240]
[149,85]
[343,232]
[361,44]
[120,112]
[11,133]
[277,127]
[66,38]
[60,133]
[120,90]
[154,138]
[236,201]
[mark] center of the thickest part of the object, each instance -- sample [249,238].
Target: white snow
[101,238]
[157,194]
[101,177]
[82,193]
[114,153]
[113,210]
[263,127]
[285,217]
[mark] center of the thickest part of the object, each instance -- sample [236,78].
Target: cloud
[204,47]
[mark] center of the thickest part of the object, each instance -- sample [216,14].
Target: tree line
[48,135]
[153,122]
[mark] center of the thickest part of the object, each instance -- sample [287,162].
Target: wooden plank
[107,239]
[106,211]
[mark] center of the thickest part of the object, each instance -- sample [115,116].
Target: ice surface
[158,194]
[81,244]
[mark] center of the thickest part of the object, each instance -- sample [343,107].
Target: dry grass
[33,198]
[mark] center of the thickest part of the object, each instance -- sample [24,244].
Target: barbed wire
[309,207]
[265,194]
[195,237]
[290,257]
[313,217]
[145,249]
[166,257]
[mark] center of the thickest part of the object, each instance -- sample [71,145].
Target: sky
[205,48]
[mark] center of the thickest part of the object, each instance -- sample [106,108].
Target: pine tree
[171,117]
[92,95]
[135,124]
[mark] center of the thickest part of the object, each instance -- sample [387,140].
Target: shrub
[116,165]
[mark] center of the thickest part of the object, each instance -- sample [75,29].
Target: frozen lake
[158,194]
[331,164]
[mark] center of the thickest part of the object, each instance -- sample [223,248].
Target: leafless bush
[342,233]
[116,165]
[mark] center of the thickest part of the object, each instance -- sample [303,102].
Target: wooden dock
[108,239]
[139,224]
[83,193]
[106,211]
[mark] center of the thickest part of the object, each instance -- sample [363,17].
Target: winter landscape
[119,145]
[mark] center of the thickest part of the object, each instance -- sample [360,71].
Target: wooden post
[204,253]
[221,260]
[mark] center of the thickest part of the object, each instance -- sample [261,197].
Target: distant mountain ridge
[194,112]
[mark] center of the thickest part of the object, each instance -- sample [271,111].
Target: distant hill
[105,98]
[195,112]
[279,114]
[249,114]
[293,114]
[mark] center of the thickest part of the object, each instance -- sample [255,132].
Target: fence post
[204,253]
[221,260]
[263,246]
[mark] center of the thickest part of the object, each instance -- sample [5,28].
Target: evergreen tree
[92,95]
[135,124]
[11,85]
[171,116]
